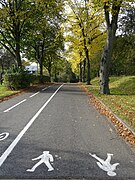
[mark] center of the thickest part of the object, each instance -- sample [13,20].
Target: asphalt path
[59,120]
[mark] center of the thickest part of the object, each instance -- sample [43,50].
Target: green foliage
[127,21]
[36,79]
[14,16]
[44,41]
[16,79]
[67,74]
[123,59]
[71,78]
[31,27]
[85,36]
[6,60]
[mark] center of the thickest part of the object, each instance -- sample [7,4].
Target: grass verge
[6,92]
[122,98]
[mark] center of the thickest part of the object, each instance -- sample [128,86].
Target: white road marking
[56,156]
[47,87]
[105,165]
[20,135]
[45,158]
[44,89]
[34,94]
[15,105]
[3,136]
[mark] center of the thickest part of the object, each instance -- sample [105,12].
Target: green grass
[122,98]
[5,92]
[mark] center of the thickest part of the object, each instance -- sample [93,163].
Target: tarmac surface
[60,120]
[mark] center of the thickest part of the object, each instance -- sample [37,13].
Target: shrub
[16,79]
[37,79]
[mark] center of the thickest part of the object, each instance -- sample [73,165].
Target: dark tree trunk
[18,57]
[106,63]
[41,72]
[1,74]
[1,81]
[88,67]
[40,61]
[50,69]
[40,57]
[87,60]
[107,53]
[80,67]
[84,70]
[17,33]
[55,75]
[86,51]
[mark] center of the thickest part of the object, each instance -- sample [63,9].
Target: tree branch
[6,47]
[94,37]
[107,15]
[7,41]
[115,12]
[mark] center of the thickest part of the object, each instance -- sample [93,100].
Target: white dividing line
[44,89]
[34,94]
[20,135]
[47,87]
[14,105]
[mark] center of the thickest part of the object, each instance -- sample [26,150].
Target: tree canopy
[38,30]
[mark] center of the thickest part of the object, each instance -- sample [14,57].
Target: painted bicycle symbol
[3,136]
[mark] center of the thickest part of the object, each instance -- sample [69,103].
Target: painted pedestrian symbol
[46,158]
[3,136]
[105,164]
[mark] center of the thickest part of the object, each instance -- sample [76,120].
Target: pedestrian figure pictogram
[105,164]
[46,158]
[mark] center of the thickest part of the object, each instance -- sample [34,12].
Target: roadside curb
[122,128]
[11,96]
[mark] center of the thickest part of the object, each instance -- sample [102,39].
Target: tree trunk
[16,24]
[49,71]
[18,57]
[88,67]
[41,72]
[1,81]
[84,70]
[80,76]
[88,62]
[39,60]
[55,76]
[50,68]
[105,64]
[1,77]
[17,45]
[86,51]
[1,74]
